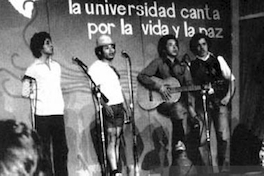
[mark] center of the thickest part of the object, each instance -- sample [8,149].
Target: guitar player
[165,66]
[208,68]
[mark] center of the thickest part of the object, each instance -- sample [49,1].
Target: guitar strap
[180,72]
[103,96]
[171,65]
[115,70]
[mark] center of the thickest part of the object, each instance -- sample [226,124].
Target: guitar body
[150,99]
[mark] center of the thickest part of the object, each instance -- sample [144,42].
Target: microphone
[124,54]
[79,62]
[186,58]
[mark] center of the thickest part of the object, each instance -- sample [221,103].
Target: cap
[104,40]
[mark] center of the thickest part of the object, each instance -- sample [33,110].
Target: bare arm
[227,74]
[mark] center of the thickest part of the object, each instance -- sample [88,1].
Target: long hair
[194,42]
[163,42]
[37,42]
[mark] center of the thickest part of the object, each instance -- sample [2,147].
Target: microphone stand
[132,107]
[32,100]
[207,125]
[99,97]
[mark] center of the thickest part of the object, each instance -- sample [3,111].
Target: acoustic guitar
[150,99]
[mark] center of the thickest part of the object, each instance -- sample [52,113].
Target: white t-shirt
[48,93]
[105,77]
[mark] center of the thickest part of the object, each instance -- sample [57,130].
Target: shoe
[180,146]
[225,167]
[181,164]
[115,173]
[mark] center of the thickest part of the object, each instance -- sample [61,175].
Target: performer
[166,66]
[210,68]
[49,119]
[106,78]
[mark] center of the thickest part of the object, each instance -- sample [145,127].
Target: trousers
[51,130]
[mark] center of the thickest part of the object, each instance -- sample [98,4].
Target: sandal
[115,172]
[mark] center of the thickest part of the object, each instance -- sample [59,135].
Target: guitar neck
[185,89]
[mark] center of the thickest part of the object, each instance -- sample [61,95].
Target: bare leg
[113,146]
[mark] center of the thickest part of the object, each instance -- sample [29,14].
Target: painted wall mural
[74,25]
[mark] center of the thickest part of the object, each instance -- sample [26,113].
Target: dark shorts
[118,119]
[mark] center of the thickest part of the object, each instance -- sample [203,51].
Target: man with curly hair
[49,106]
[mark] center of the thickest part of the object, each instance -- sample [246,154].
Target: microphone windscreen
[27,77]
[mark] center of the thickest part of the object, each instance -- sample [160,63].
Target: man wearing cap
[106,77]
